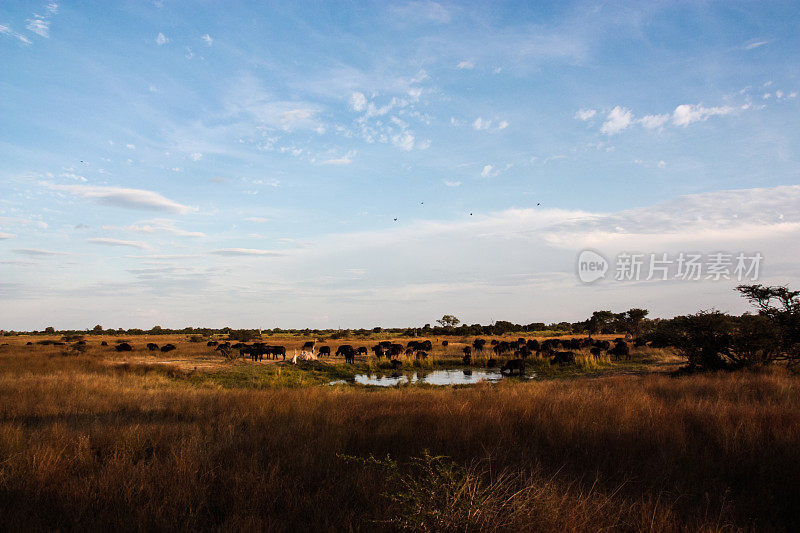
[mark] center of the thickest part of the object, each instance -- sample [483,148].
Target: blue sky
[205,163]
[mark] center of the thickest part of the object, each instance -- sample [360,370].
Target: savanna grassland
[100,440]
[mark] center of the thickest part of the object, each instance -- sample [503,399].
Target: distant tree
[156,330]
[97,329]
[49,329]
[377,329]
[600,321]
[243,335]
[448,321]
[631,321]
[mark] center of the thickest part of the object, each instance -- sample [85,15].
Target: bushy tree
[449,321]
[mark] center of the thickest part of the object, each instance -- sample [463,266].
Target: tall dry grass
[85,445]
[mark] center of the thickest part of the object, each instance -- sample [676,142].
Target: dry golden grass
[89,443]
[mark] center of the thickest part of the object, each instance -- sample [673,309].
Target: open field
[190,440]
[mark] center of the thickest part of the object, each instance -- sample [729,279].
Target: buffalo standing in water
[512,365]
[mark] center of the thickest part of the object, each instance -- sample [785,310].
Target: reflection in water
[436,377]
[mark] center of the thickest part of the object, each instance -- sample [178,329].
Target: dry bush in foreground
[83,446]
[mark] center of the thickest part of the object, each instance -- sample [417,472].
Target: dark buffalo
[533,345]
[152,346]
[467,350]
[29,343]
[123,347]
[379,350]
[467,359]
[396,364]
[168,348]
[595,351]
[491,363]
[308,346]
[421,355]
[211,343]
[324,350]
[445,343]
[348,352]
[563,358]
[361,350]
[104,343]
[395,349]
[478,344]
[278,350]
[512,365]
[620,350]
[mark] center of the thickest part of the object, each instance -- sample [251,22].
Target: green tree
[600,321]
[448,321]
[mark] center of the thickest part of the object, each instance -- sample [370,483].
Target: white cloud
[617,120]
[6,30]
[196,156]
[127,198]
[130,146]
[208,39]
[233,252]
[662,164]
[5,236]
[338,161]
[358,102]
[156,226]
[422,10]
[36,252]
[686,114]
[503,125]
[52,8]
[654,121]
[117,242]
[259,220]
[755,45]
[161,39]
[466,65]
[39,26]
[404,140]
[585,114]
[452,183]
[489,171]
[481,124]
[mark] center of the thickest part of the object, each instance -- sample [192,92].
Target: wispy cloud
[686,114]
[208,39]
[6,30]
[585,114]
[39,26]
[466,65]
[5,236]
[127,198]
[106,241]
[37,252]
[158,226]
[245,252]
[161,39]
[755,44]
[338,161]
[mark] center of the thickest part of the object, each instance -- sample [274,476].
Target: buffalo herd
[558,351]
